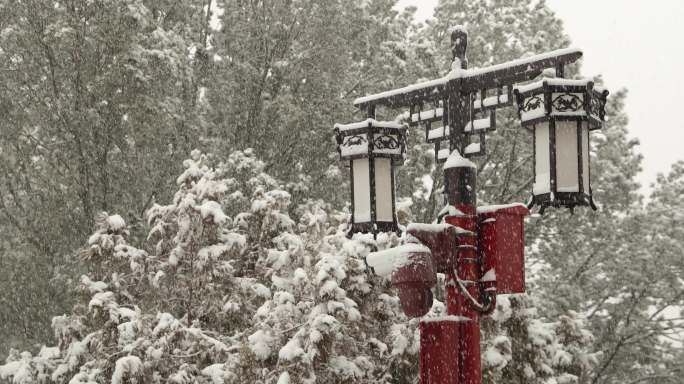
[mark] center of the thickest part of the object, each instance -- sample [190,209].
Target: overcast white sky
[637,45]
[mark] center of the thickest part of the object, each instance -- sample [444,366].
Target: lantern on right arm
[561,113]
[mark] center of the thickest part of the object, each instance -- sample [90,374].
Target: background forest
[172,208]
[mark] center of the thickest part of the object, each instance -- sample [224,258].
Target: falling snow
[172,209]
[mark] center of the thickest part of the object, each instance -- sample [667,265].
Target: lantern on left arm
[373,148]
[561,113]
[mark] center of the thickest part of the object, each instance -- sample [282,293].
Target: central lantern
[373,149]
[561,113]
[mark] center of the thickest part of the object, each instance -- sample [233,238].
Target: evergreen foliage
[238,270]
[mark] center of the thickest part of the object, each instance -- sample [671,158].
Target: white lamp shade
[362,195]
[561,162]
[542,159]
[567,173]
[383,190]
[585,158]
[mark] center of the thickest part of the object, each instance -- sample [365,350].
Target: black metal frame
[506,77]
[457,97]
[593,104]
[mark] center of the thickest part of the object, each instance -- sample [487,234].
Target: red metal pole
[460,359]
[460,187]
[439,351]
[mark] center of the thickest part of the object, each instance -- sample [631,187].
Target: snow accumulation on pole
[455,160]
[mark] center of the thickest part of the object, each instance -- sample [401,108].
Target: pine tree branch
[621,342]
[671,378]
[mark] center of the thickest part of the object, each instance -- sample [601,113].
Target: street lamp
[480,250]
[373,148]
[561,113]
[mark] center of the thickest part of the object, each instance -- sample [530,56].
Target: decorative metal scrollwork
[595,106]
[567,102]
[386,142]
[532,103]
[354,140]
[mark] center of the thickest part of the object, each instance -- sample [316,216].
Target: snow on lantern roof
[553,82]
[372,122]
[465,73]
[455,160]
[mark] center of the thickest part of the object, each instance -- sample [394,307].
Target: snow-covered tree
[524,347]
[223,295]
[612,267]
[95,95]
[286,71]
[240,276]
[232,288]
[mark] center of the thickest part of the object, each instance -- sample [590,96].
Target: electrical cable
[478,307]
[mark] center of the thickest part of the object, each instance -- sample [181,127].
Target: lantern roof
[553,82]
[371,138]
[564,99]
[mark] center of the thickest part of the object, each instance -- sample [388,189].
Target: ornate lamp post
[479,249]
